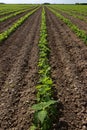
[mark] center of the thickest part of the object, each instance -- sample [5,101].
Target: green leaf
[42,115]
[50,102]
[43,105]
[33,127]
[38,106]
[46,80]
[39,86]
[44,89]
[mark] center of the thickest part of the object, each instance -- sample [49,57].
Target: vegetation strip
[69,13]
[7,12]
[45,107]
[80,33]
[12,15]
[6,33]
[7,9]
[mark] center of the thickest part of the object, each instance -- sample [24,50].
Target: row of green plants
[10,16]
[78,13]
[7,12]
[80,33]
[4,35]
[72,13]
[81,17]
[77,9]
[13,14]
[45,107]
[75,15]
[5,9]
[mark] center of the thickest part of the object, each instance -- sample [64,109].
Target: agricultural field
[43,67]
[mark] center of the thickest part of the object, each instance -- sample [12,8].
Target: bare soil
[3,15]
[19,74]
[79,23]
[9,22]
[68,60]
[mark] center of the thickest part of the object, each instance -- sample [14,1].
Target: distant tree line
[46,3]
[2,3]
[81,3]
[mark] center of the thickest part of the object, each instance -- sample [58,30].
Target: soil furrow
[9,22]
[10,50]
[68,56]
[75,48]
[3,15]
[18,92]
[79,23]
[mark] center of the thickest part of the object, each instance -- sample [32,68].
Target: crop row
[13,14]
[13,7]
[6,33]
[8,9]
[81,17]
[45,107]
[80,33]
[76,9]
[70,13]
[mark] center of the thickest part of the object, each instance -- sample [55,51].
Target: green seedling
[45,106]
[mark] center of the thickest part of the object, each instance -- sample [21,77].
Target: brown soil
[83,14]
[80,23]
[79,14]
[19,74]
[3,15]
[68,60]
[9,22]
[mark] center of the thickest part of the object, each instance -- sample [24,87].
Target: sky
[43,1]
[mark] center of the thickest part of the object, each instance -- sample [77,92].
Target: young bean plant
[45,107]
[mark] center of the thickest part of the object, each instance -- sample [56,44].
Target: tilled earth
[68,60]
[19,75]
[78,22]
[9,22]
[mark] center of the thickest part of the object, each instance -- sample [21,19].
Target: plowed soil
[68,60]
[79,23]
[18,75]
[9,22]
[3,15]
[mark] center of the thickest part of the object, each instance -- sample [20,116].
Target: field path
[19,74]
[68,60]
